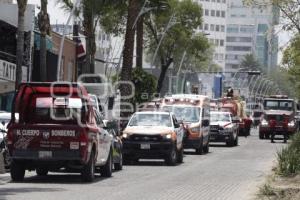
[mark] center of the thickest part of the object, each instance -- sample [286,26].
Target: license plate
[45,154]
[145,146]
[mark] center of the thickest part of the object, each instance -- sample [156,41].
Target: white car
[223,128]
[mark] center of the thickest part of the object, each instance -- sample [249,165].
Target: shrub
[289,158]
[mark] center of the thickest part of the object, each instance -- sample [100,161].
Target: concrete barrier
[2,167]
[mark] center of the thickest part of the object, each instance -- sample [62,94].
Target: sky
[57,15]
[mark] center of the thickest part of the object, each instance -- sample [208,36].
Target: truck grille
[214,128]
[146,138]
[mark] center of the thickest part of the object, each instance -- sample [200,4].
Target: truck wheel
[261,136]
[88,171]
[172,157]
[236,141]
[42,171]
[119,166]
[180,155]
[106,170]
[199,150]
[206,147]
[230,143]
[17,171]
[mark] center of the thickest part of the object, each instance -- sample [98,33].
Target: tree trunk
[22,4]
[129,46]
[44,25]
[164,68]
[89,32]
[139,42]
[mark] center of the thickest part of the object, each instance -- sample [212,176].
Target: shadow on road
[4,192]
[60,179]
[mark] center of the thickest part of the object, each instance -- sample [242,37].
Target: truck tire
[230,143]
[171,159]
[180,155]
[42,171]
[236,141]
[261,136]
[17,171]
[206,147]
[199,150]
[106,170]
[88,171]
[119,166]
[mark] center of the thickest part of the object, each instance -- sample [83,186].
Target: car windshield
[217,117]
[148,119]
[279,105]
[186,114]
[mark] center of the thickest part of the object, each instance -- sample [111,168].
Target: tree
[93,12]
[126,72]
[250,62]
[290,10]
[22,4]
[291,63]
[44,26]
[181,19]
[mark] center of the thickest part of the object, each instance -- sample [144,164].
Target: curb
[4,178]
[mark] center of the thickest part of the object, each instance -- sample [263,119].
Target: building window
[206,12]
[238,48]
[218,13]
[246,29]
[222,28]
[221,43]
[217,42]
[212,27]
[212,13]
[232,28]
[223,14]
[217,28]
[206,27]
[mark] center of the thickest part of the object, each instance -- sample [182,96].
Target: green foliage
[250,62]
[145,85]
[188,16]
[267,190]
[291,62]
[289,158]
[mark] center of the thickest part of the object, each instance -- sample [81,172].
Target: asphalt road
[224,173]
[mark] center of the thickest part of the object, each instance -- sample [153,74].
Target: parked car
[57,129]
[153,135]
[223,128]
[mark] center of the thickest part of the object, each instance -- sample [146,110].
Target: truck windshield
[219,117]
[54,110]
[187,114]
[279,105]
[151,120]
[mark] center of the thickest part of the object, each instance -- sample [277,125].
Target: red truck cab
[57,129]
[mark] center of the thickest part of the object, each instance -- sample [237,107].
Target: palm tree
[250,62]
[44,26]
[22,4]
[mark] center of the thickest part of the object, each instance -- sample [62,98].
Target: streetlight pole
[252,91]
[264,87]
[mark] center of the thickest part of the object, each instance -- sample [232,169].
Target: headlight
[264,122]
[167,136]
[291,124]
[195,129]
[125,135]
